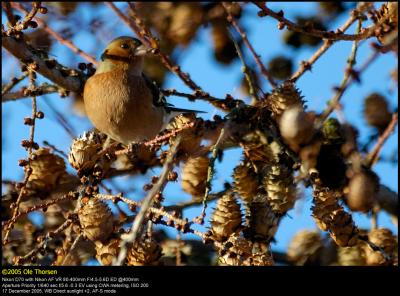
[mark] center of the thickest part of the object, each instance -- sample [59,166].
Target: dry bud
[43,10]
[32,24]
[39,115]
[28,121]
[22,162]
[172,176]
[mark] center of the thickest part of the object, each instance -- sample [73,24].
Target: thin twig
[245,70]
[246,41]
[373,155]
[146,37]
[24,24]
[210,175]
[375,247]
[160,139]
[10,16]
[69,196]
[194,202]
[14,81]
[58,37]
[46,143]
[40,90]
[153,210]
[364,34]
[61,120]
[307,65]
[23,52]
[73,247]
[147,203]
[225,104]
[192,97]
[28,170]
[49,237]
[347,80]
[349,73]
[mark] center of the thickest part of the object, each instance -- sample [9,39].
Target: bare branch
[246,41]
[58,37]
[373,155]
[147,203]
[364,34]
[307,65]
[24,53]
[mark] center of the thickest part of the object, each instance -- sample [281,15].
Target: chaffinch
[120,100]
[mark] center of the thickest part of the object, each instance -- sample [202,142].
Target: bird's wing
[160,101]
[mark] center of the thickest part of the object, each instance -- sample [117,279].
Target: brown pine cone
[227,217]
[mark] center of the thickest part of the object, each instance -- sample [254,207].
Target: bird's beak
[142,50]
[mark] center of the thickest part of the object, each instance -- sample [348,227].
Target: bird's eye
[124,46]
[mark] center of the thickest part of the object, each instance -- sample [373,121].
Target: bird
[121,101]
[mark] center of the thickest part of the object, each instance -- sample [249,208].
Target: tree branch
[147,203]
[22,51]
[364,34]
[373,155]
[246,41]
[58,37]
[307,65]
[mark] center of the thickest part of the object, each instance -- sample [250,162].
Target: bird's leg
[107,142]
[133,150]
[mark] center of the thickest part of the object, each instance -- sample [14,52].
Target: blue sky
[218,80]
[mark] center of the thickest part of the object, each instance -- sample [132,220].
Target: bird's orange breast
[121,106]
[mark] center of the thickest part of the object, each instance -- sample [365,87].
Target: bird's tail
[178,111]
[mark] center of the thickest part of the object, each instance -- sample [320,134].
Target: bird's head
[123,52]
